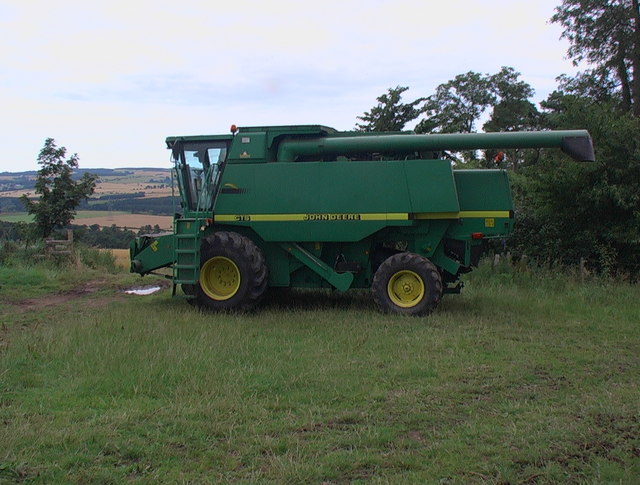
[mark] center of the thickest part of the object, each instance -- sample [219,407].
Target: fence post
[59,247]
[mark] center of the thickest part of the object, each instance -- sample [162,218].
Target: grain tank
[311,207]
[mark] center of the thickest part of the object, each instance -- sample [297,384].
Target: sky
[110,80]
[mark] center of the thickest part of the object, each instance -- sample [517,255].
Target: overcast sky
[110,80]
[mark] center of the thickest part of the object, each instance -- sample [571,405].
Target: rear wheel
[233,273]
[408,284]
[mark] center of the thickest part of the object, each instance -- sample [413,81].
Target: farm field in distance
[104,219]
[111,181]
[128,197]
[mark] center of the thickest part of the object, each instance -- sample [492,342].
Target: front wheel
[233,273]
[408,284]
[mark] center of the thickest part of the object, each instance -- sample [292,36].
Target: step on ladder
[187,251]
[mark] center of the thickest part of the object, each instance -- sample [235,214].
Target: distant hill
[141,190]
[97,171]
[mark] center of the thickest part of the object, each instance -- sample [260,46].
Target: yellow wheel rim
[406,289]
[220,278]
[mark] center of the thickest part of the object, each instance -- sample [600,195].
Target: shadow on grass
[287,299]
[297,300]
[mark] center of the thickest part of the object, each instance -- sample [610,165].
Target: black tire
[190,291]
[407,284]
[233,273]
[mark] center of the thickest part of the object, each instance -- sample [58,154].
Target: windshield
[198,169]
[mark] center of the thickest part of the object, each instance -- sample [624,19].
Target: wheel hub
[406,288]
[220,278]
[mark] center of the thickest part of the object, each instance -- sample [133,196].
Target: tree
[457,105]
[59,193]
[595,84]
[390,114]
[606,33]
[567,211]
[512,111]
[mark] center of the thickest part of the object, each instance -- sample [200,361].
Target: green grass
[521,379]
[16,217]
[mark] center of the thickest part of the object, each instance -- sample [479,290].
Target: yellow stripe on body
[338,217]
[312,217]
[392,216]
[461,215]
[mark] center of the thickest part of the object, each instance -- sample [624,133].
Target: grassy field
[16,217]
[521,379]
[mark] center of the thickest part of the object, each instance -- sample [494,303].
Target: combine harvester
[311,207]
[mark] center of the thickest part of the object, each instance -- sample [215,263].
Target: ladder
[186,268]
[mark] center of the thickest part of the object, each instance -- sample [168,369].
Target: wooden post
[59,246]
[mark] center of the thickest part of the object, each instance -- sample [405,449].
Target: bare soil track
[85,293]
[92,294]
[56,299]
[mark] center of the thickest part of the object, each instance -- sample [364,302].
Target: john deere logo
[331,217]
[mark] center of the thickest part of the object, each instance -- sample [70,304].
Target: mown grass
[521,379]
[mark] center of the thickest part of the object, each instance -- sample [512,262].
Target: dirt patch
[62,297]
[85,292]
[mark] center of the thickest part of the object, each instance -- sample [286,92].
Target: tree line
[109,237]
[566,212]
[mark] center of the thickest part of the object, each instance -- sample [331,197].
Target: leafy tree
[606,33]
[568,210]
[390,114]
[59,193]
[596,85]
[457,105]
[512,111]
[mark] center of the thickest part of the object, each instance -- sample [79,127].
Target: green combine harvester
[311,207]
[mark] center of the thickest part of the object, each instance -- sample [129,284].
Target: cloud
[110,80]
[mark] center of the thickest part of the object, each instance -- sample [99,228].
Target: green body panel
[347,201]
[151,252]
[249,148]
[483,192]
[327,208]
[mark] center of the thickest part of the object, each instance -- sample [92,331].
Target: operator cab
[198,167]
